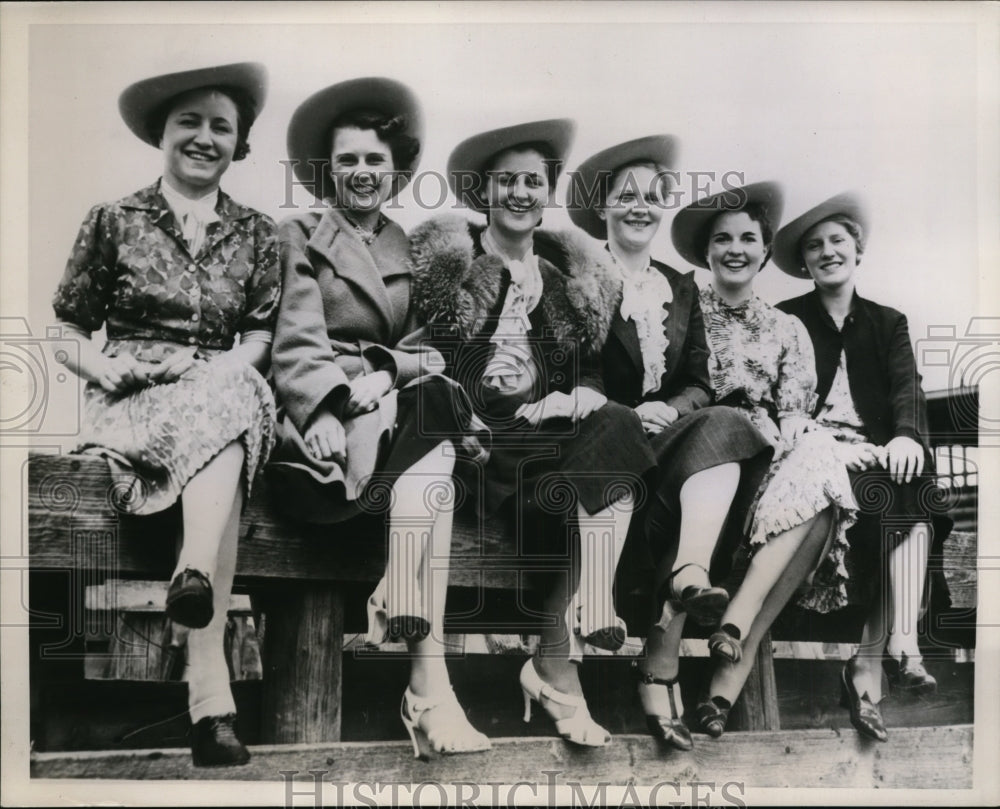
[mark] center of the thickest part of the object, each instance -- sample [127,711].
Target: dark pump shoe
[214,743]
[189,599]
[668,730]
[909,676]
[865,715]
[712,714]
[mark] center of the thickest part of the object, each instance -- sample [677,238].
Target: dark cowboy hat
[309,130]
[472,156]
[687,229]
[139,101]
[787,254]
[594,174]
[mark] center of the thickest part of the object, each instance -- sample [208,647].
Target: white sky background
[886,108]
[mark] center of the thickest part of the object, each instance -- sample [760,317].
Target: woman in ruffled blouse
[762,364]
[710,460]
[521,316]
[174,273]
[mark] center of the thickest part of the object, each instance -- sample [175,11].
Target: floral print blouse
[761,361]
[130,269]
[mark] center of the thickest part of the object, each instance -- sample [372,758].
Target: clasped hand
[325,437]
[125,372]
[655,416]
[576,405]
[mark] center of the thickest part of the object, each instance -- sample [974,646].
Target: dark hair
[552,166]
[246,112]
[853,228]
[756,212]
[390,130]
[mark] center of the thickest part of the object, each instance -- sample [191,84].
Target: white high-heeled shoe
[579,727]
[464,737]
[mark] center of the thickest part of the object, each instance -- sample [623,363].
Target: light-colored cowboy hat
[594,174]
[687,229]
[309,130]
[139,101]
[472,156]
[787,254]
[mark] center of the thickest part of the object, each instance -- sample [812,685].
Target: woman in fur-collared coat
[365,424]
[520,317]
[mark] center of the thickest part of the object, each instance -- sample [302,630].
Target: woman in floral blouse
[762,364]
[174,273]
[710,460]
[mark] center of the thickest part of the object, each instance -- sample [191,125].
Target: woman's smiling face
[635,207]
[736,249]
[830,254]
[362,169]
[199,140]
[517,189]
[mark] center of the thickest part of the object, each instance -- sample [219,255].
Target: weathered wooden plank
[757,706]
[143,596]
[914,758]
[302,661]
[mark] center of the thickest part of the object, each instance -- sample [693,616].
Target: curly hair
[391,130]
[756,212]
[246,112]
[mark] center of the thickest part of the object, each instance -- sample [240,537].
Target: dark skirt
[886,513]
[548,470]
[706,438]
[428,411]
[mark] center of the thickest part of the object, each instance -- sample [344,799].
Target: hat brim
[472,156]
[588,184]
[308,138]
[687,229]
[787,255]
[139,101]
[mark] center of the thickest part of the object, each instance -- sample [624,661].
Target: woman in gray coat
[365,422]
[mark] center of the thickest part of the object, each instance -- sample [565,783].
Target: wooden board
[914,758]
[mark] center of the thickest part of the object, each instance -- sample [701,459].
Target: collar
[857,308]
[151,199]
[204,205]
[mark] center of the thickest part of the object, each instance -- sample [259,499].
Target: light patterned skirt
[799,485]
[157,438]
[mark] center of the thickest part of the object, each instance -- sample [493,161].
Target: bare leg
[729,678]
[602,538]
[207,504]
[209,692]
[419,554]
[705,499]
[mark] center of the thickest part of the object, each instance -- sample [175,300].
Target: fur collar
[452,284]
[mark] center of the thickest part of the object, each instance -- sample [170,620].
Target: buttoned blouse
[761,361]
[130,270]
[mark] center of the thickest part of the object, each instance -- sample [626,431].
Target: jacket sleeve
[697,385]
[909,405]
[264,286]
[412,357]
[304,362]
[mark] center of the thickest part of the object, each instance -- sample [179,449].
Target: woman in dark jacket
[174,273]
[710,459]
[869,396]
[521,317]
[364,422]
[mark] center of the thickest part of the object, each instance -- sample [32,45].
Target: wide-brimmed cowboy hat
[139,101]
[688,228]
[310,128]
[471,158]
[787,254]
[588,185]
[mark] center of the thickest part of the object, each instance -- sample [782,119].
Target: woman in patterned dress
[174,273]
[870,399]
[364,423]
[521,315]
[710,460]
[762,364]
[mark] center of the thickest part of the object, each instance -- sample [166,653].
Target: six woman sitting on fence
[590,395]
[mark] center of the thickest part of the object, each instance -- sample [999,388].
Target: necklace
[367,235]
